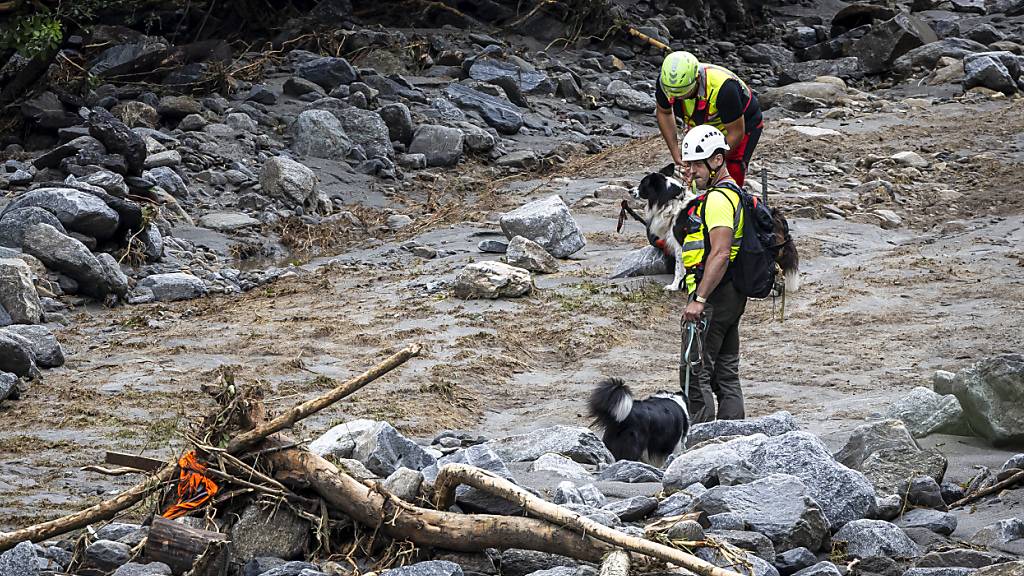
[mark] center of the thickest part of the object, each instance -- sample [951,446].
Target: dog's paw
[673,287]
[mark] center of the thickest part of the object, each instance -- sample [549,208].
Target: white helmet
[701,142]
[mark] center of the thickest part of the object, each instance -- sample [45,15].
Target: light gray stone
[267,530]
[339,442]
[527,254]
[13,224]
[794,560]
[20,561]
[889,507]
[78,211]
[680,502]
[480,456]
[962,557]
[498,113]
[319,133]
[716,557]
[560,465]
[44,346]
[647,261]
[771,425]
[383,450]
[634,100]
[924,412]
[174,286]
[825,568]
[870,438]
[993,70]
[754,542]
[289,181]
[69,256]
[15,358]
[547,222]
[946,571]
[107,555]
[366,128]
[441,145]
[492,280]
[404,483]
[151,569]
[428,568]
[866,538]
[939,522]
[992,395]
[580,444]
[888,469]
[700,465]
[227,221]
[8,386]
[631,472]
[1004,535]
[18,294]
[777,505]
[632,509]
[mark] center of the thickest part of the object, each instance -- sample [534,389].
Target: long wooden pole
[451,476]
[109,508]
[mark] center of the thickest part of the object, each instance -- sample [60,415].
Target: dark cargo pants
[719,376]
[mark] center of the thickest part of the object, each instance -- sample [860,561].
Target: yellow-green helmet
[678,73]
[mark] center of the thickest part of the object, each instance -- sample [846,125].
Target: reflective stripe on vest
[694,253]
[710,79]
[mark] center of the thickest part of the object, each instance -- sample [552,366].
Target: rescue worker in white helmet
[714,228]
[701,94]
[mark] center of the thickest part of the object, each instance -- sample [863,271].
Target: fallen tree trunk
[400,520]
[109,508]
[452,476]
[616,563]
[1018,477]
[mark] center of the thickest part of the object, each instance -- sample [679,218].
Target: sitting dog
[640,430]
[666,199]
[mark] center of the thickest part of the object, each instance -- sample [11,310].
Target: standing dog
[667,198]
[640,430]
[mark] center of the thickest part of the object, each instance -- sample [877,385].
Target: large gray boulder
[777,506]
[1004,535]
[20,561]
[647,261]
[887,41]
[267,530]
[702,465]
[289,181]
[174,286]
[499,114]
[18,295]
[821,93]
[992,395]
[890,468]
[547,222]
[46,350]
[989,71]
[14,222]
[382,449]
[580,444]
[866,538]
[367,129]
[771,425]
[492,280]
[935,520]
[843,494]
[339,442]
[925,412]
[78,211]
[15,357]
[529,81]
[441,145]
[928,56]
[319,133]
[69,256]
[328,72]
[480,456]
[870,438]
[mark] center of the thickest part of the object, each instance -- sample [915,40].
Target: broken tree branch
[616,563]
[377,508]
[645,38]
[109,508]
[249,439]
[451,476]
[1018,477]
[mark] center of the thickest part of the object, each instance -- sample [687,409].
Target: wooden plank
[133,461]
[179,546]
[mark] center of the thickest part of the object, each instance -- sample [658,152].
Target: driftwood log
[375,507]
[178,545]
[109,508]
[451,476]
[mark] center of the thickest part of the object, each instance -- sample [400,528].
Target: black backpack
[753,271]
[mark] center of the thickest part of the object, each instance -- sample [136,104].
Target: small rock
[580,444]
[888,507]
[547,222]
[631,472]
[492,246]
[888,219]
[492,280]
[527,254]
[771,425]
[18,296]
[263,94]
[908,158]
[46,350]
[519,159]
[939,522]
[151,569]
[319,133]
[634,101]
[680,502]
[327,72]
[820,569]
[923,491]
[647,261]
[383,450]
[174,286]
[227,221]
[288,180]
[441,145]
[516,562]
[561,466]
[633,509]
[107,555]
[794,560]
[404,483]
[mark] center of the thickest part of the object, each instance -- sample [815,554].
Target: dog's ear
[668,171]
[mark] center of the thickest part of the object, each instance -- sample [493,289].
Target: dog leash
[694,330]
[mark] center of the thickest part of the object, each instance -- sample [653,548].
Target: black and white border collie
[640,430]
[666,197]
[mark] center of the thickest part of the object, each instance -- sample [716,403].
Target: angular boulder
[76,210]
[18,294]
[631,472]
[441,145]
[580,444]
[328,72]
[887,41]
[992,395]
[174,286]
[560,465]
[319,134]
[499,114]
[480,456]
[928,56]
[924,412]
[935,520]
[289,181]
[700,466]
[366,128]
[20,560]
[778,506]
[69,256]
[382,449]
[118,138]
[865,538]
[547,222]
[888,469]
[46,350]
[13,223]
[527,254]
[528,81]
[265,530]
[647,261]
[771,425]
[399,122]
[870,438]
[990,72]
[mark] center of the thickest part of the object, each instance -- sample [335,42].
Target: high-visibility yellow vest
[703,108]
[697,237]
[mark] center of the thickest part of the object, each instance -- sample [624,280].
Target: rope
[694,331]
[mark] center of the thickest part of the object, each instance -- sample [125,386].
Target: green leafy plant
[31,34]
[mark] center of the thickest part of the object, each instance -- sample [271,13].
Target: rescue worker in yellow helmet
[707,94]
[714,229]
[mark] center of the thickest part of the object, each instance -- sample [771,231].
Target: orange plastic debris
[194,488]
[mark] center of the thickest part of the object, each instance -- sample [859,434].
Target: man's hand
[693,311]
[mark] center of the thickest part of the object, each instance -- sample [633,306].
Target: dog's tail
[611,402]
